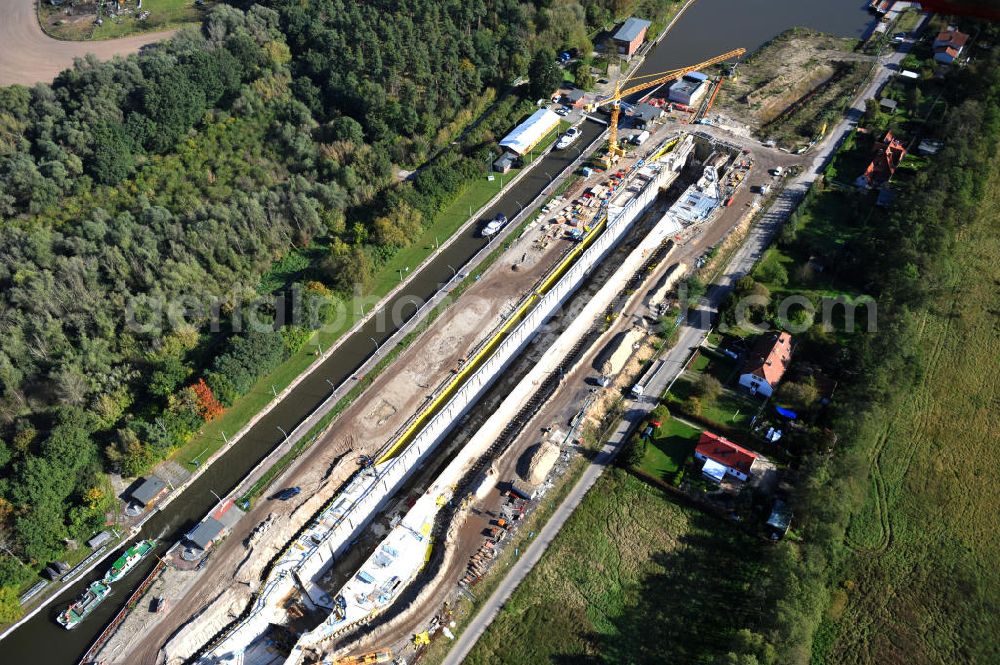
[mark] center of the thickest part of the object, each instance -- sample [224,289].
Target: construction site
[414,490]
[411,493]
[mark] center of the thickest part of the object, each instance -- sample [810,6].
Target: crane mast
[614,151]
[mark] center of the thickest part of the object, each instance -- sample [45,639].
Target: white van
[639,139]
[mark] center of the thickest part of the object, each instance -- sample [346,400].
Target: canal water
[707,28]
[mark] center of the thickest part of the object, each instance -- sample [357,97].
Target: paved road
[29,56]
[692,333]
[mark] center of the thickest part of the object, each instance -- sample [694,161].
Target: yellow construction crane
[614,151]
[379,656]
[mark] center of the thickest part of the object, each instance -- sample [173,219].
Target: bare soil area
[792,86]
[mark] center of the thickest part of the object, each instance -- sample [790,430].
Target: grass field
[80,25]
[633,578]
[672,443]
[730,408]
[922,584]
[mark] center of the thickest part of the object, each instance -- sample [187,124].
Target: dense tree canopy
[143,197]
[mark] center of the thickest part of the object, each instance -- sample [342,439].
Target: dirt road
[29,56]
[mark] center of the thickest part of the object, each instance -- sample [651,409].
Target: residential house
[689,89]
[948,45]
[722,457]
[630,36]
[767,363]
[886,157]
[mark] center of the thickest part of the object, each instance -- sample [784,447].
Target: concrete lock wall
[310,567]
[398,470]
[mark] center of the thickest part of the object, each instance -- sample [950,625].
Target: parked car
[494,226]
[567,139]
[288,493]
[562,112]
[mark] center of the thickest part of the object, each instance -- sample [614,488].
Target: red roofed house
[948,45]
[767,363]
[723,457]
[886,157]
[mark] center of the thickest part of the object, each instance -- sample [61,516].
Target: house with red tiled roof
[952,38]
[948,45]
[722,457]
[887,155]
[767,363]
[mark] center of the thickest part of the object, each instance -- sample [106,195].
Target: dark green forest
[136,187]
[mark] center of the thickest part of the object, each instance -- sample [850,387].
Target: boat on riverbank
[78,611]
[128,560]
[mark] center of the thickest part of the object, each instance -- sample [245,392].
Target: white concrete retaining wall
[508,409]
[308,560]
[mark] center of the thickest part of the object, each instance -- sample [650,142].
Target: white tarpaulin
[714,470]
[526,135]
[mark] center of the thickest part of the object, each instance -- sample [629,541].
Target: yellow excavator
[379,656]
[621,91]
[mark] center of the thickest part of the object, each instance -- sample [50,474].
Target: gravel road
[29,56]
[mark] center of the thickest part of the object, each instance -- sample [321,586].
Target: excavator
[621,91]
[379,656]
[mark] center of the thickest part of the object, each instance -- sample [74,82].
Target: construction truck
[639,389]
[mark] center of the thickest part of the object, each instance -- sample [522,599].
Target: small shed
[574,98]
[206,533]
[99,539]
[929,147]
[887,104]
[504,163]
[149,491]
[645,114]
[780,519]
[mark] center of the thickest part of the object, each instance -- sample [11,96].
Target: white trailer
[639,389]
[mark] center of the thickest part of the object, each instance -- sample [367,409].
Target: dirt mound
[543,459]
